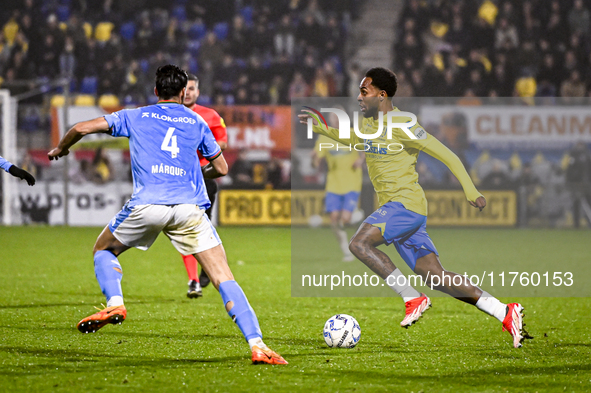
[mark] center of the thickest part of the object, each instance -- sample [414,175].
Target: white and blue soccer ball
[342,331]
[314,221]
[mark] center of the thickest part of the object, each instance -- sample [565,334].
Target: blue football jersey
[163,143]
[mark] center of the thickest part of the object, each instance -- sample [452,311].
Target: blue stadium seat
[63,13]
[73,85]
[227,87]
[221,30]
[338,66]
[193,65]
[144,65]
[89,85]
[197,31]
[129,100]
[241,63]
[193,47]
[204,100]
[127,31]
[152,99]
[30,120]
[246,13]
[180,13]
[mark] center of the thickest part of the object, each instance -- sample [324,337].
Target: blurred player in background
[16,171]
[343,186]
[402,216]
[218,128]
[168,196]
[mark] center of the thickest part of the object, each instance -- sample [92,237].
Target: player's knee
[96,249]
[356,245]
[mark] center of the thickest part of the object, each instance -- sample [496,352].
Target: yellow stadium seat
[439,29]
[438,61]
[526,86]
[108,101]
[87,29]
[84,100]
[488,11]
[102,31]
[10,29]
[63,26]
[57,101]
[515,161]
[565,161]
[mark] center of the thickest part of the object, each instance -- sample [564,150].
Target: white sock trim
[492,306]
[401,285]
[115,301]
[258,342]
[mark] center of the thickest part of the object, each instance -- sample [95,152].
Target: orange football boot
[260,356]
[415,309]
[113,315]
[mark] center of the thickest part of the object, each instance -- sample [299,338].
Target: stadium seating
[102,31]
[89,85]
[127,31]
[108,101]
[84,100]
[57,101]
[197,31]
[221,30]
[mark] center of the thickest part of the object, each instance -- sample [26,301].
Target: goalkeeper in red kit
[218,128]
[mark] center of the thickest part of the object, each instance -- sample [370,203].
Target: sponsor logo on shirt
[172,119]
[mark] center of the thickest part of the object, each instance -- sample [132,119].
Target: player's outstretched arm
[438,150]
[217,167]
[98,125]
[330,132]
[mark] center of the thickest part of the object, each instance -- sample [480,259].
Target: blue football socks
[108,273]
[241,312]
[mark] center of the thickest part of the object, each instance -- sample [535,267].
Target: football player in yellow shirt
[402,216]
[343,186]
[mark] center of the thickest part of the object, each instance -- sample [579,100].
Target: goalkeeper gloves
[21,174]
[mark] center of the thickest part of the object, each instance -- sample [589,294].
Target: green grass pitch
[171,343]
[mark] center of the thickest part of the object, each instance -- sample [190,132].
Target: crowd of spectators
[494,48]
[244,51]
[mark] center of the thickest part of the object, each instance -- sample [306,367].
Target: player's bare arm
[216,168]
[79,130]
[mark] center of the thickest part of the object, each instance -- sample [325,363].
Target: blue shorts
[338,202]
[406,229]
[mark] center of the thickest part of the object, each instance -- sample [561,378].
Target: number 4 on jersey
[169,143]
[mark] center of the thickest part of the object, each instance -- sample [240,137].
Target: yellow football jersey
[391,162]
[341,178]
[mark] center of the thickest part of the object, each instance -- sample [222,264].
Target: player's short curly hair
[170,81]
[383,79]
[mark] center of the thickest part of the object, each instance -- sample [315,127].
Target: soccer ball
[342,331]
[315,221]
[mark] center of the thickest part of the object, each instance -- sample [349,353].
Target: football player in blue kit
[169,196]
